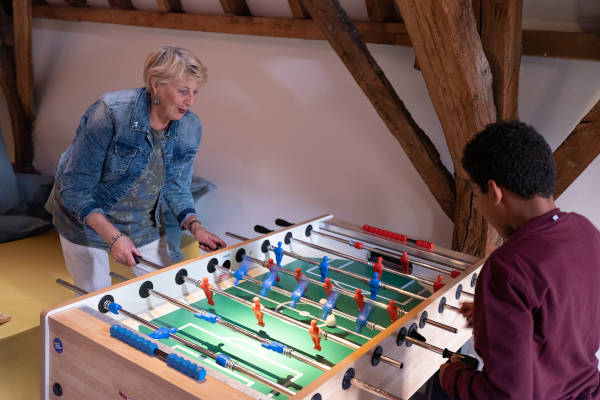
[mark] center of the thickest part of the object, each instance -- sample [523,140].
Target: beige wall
[287,131]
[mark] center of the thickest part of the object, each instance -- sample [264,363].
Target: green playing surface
[276,367]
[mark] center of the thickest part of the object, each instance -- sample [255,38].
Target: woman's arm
[122,248]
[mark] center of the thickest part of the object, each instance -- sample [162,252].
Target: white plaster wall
[287,131]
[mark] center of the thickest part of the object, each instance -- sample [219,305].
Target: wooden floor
[28,271]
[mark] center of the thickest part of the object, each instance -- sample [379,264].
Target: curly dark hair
[514,155]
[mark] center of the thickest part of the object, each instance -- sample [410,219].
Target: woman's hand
[466,309]
[206,241]
[123,250]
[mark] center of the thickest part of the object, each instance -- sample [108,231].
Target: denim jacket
[111,149]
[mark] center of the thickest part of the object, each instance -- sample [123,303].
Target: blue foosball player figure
[299,291]
[329,304]
[374,285]
[267,283]
[278,253]
[324,268]
[363,317]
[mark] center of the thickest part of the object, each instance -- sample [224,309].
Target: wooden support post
[349,45]
[121,4]
[235,7]
[458,78]
[23,59]
[381,10]
[578,150]
[502,41]
[16,80]
[169,5]
[298,10]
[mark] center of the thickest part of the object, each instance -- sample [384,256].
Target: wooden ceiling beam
[169,5]
[501,38]
[382,33]
[578,150]
[77,3]
[121,4]
[571,45]
[350,47]
[235,7]
[459,80]
[381,10]
[298,10]
[574,45]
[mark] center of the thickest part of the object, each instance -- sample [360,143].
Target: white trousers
[90,266]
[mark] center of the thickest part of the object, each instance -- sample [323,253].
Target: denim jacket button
[135,124]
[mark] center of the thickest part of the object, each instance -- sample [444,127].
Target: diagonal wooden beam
[578,150]
[501,37]
[458,77]
[381,10]
[348,44]
[121,4]
[169,5]
[235,7]
[298,10]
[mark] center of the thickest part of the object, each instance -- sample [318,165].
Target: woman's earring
[155,101]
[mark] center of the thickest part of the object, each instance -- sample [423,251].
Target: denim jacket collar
[140,116]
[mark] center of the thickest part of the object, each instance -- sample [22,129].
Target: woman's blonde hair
[168,64]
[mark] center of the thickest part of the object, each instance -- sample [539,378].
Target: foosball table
[314,310]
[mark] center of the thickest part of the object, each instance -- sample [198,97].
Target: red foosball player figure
[327,285]
[257,312]
[206,287]
[378,267]
[274,268]
[298,274]
[405,263]
[359,298]
[314,334]
[392,310]
[437,285]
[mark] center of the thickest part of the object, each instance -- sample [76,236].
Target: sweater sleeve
[503,331]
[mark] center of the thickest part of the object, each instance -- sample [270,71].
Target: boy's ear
[494,191]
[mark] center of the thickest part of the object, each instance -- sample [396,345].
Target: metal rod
[454,260]
[425,345]
[374,390]
[71,286]
[360,260]
[449,307]
[303,299]
[467,293]
[142,260]
[387,253]
[289,351]
[230,364]
[118,276]
[324,334]
[341,290]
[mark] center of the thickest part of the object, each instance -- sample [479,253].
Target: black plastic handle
[282,222]
[261,229]
[470,362]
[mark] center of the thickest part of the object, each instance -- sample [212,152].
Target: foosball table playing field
[315,310]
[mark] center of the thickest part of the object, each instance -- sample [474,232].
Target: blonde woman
[132,156]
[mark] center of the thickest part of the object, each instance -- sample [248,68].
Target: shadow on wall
[22,199]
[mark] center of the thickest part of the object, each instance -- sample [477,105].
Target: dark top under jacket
[536,318]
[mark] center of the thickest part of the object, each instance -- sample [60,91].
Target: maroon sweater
[536,318]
